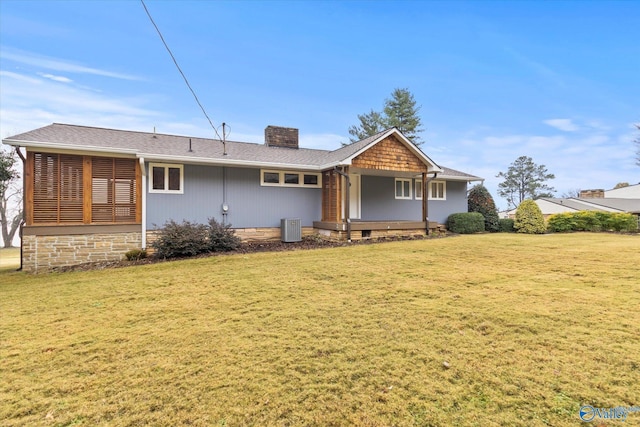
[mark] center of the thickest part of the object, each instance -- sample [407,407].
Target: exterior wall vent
[291,230]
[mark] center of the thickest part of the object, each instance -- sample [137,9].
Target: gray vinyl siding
[439,210]
[250,205]
[378,201]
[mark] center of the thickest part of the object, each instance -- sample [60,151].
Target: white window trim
[281,183]
[405,197]
[418,193]
[166,167]
[444,190]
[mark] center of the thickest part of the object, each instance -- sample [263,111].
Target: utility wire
[180,69]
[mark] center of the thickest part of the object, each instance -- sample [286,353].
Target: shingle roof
[597,204]
[155,146]
[457,175]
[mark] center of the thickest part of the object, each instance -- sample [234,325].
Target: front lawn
[478,330]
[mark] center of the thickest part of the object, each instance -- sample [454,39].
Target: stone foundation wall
[272,233]
[375,234]
[42,253]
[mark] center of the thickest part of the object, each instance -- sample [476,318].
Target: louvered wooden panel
[57,188]
[125,190]
[45,188]
[71,189]
[114,190]
[102,189]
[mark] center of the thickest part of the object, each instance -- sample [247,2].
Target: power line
[180,70]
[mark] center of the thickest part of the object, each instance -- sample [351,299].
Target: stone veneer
[42,253]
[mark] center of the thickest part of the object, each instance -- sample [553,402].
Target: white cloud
[60,79]
[565,125]
[58,64]
[29,102]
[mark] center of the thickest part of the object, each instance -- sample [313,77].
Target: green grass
[532,327]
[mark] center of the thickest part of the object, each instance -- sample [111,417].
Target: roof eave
[67,147]
[459,178]
[226,162]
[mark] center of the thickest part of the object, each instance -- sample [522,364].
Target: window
[438,190]
[289,179]
[418,187]
[271,178]
[403,188]
[166,178]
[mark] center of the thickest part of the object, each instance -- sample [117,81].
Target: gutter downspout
[24,201]
[143,172]
[347,213]
[426,196]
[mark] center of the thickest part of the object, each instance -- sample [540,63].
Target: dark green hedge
[506,225]
[466,223]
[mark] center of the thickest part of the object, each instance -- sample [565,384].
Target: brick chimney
[276,136]
[592,194]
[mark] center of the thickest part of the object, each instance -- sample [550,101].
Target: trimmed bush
[135,254]
[181,240]
[506,225]
[466,223]
[592,221]
[480,200]
[529,218]
[221,237]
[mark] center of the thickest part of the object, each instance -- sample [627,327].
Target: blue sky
[554,80]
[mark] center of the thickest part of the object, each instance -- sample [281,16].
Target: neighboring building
[91,194]
[625,199]
[628,192]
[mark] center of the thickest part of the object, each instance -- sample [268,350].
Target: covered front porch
[379,191]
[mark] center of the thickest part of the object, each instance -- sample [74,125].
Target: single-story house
[91,194]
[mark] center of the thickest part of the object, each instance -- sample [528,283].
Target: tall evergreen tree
[399,111]
[370,124]
[480,200]
[524,180]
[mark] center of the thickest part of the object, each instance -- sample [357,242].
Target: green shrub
[561,223]
[135,254]
[466,223]
[221,237]
[592,221]
[181,240]
[506,225]
[529,218]
[480,200]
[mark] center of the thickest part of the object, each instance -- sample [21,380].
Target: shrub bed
[592,221]
[190,239]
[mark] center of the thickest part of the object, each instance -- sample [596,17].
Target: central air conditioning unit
[291,230]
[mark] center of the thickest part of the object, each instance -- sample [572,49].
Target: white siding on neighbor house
[630,192]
